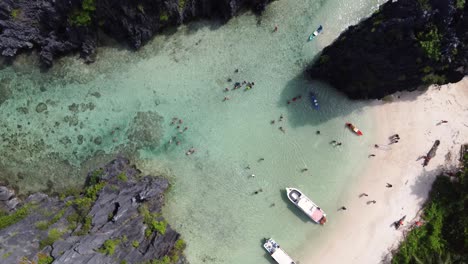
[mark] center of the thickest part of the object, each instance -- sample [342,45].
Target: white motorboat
[312,210]
[277,253]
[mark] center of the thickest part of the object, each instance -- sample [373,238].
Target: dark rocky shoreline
[115,218]
[402,46]
[60,27]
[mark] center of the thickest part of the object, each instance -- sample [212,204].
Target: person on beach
[261,159]
[371,155]
[275,29]
[333,142]
[363,194]
[304,169]
[185,129]
[226,89]
[236,70]
[282,129]
[371,202]
[342,208]
[180,121]
[317,132]
[339,144]
[178,143]
[442,122]
[376,146]
[272,122]
[389,185]
[225,98]
[252,176]
[281,117]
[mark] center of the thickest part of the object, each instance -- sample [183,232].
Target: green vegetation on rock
[164,17]
[151,221]
[43,225]
[108,248]
[430,42]
[163,260]
[135,244]
[6,255]
[44,259]
[425,5]
[122,177]
[53,235]
[182,4]
[18,215]
[444,234]
[82,17]
[434,79]
[15,13]
[83,204]
[460,4]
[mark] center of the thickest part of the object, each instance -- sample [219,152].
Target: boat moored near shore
[306,205]
[277,253]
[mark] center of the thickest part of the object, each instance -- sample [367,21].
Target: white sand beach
[365,233]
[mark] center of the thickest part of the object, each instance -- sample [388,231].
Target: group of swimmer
[238,85]
[177,121]
[282,129]
[294,99]
[335,143]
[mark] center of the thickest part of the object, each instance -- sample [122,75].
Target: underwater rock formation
[57,27]
[116,217]
[404,45]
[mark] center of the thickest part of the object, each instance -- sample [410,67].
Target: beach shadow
[423,184]
[296,211]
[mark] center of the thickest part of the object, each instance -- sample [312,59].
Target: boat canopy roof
[281,257]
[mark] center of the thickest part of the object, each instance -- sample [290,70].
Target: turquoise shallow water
[91,112]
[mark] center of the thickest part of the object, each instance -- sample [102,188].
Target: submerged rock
[404,45]
[57,27]
[116,218]
[146,130]
[41,107]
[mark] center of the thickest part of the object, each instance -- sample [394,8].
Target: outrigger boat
[316,33]
[306,205]
[313,100]
[354,129]
[277,253]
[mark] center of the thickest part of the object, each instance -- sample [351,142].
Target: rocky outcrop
[56,27]
[404,45]
[116,218]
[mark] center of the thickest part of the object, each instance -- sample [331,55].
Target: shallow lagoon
[91,112]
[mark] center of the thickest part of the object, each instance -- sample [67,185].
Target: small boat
[316,33]
[277,253]
[354,129]
[313,100]
[306,205]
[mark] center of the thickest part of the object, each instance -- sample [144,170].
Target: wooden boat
[303,202]
[354,129]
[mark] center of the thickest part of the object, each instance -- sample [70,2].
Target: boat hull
[354,129]
[313,211]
